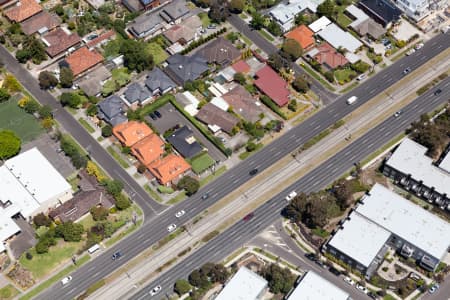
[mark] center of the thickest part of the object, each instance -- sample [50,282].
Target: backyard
[159,55]
[14,118]
[201,163]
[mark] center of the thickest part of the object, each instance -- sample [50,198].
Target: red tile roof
[329,56]
[271,84]
[23,10]
[303,35]
[169,168]
[241,66]
[101,38]
[59,41]
[131,132]
[149,149]
[83,59]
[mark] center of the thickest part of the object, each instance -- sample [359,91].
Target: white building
[189,102]
[319,24]
[313,287]
[415,9]
[284,14]
[339,38]
[245,285]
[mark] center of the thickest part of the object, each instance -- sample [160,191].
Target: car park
[248,217]
[437,92]
[397,114]
[66,280]
[158,114]
[291,196]
[433,288]
[155,290]
[335,271]
[205,196]
[406,71]
[152,115]
[349,280]
[362,288]
[180,214]
[171,227]
[253,172]
[116,255]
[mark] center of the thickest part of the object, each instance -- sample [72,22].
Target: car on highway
[205,196]
[406,71]
[116,255]
[253,172]
[419,46]
[66,280]
[410,51]
[397,113]
[180,214]
[291,196]
[155,290]
[437,92]
[152,115]
[335,271]
[349,280]
[158,114]
[321,263]
[362,288]
[248,217]
[433,288]
[311,256]
[171,227]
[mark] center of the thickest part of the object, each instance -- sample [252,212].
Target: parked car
[414,276]
[253,172]
[410,51]
[372,295]
[362,288]
[437,92]
[335,271]
[152,115]
[248,217]
[433,288]
[321,263]
[155,290]
[419,46]
[158,114]
[212,26]
[171,227]
[116,255]
[406,71]
[180,214]
[66,280]
[311,256]
[361,77]
[349,280]
[205,196]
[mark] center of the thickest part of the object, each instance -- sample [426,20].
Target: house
[417,9]
[188,101]
[319,24]
[146,25]
[184,142]
[96,3]
[111,110]
[40,23]
[82,60]
[241,67]
[158,82]
[23,10]
[245,284]
[339,38]
[136,94]
[169,169]
[271,84]
[59,40]
[220,103]
[243,104]
[363,24]
[150,4]
[92,83]
[7,3]
[382,215]
[382,11]
[220,51]
[185,32]
[131,132]
[303,35]
[102,39]
[186,68]
[312,286]
[217,119]
[410,168]
[327,56]
[133,6]
[284,13]
[148,149]
[173,12]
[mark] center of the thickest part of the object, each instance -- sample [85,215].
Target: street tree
[257,21]
[9,144]
[66,77]
[292,49]
[47,80]
[189,184]
[182,287]
[327,9]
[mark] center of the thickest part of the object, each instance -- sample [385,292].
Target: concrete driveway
[171,117]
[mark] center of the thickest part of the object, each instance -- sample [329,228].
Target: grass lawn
[8,292]
[205,19]
[266,35]
[12,117]
[320,232]
[343,20]
[117,157]
[344,75]
[313,74]
[86,125]
[152,193]
[87,222]
[246,154]
[201,162]
[180,197]
[112,48]
[159,55]
[210,177]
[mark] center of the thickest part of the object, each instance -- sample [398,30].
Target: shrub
[141,168]
[99,213]
[41,220]
[107,131]
[122,202]
[29,256]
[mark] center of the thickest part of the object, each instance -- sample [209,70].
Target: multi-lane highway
[241,232]
[154,229]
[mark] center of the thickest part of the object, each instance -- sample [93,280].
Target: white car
[361,77]
[180,214]
[349,280]
[291,196]
[419,46]
[155,290]
[410,51]
[362,288]
[171,227]
[66,280]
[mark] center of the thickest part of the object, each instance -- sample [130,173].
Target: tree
[66,77]
[47,123]
[35,49]
[9,144]
[292,48]
[218,273]
[41,220]
[114,187]
[300,84]
[277,62]
[47,80]
[92,110]
[327,9]
[239,77]
[69,231]
[79,161]
[218,11]
[274,28]
[329,75]
[4,95]
[182,287]
[292,105]
[136,56]
[237,6]
[22,55]
[107,131]
[99,213]
[189,184]
[122,202]
[141,168]
[280,280]
[11,84]
[31,106]
[198,279]
[45,111]
[342,190]
[257,21]
[70,99]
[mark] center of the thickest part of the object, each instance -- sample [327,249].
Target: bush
[182,287]
[4,95]
[99,213]
[31,106]
[250,147]
[122,202]
[29,256]
[267,101]
[69,231]
[141,168]
[107,131]
[9,144]
[47,80]
[300,85]
[114,187]
[329,75]
[189,184]
[70,99]
[41,220]
[292,105]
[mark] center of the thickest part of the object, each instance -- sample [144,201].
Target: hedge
[269,102]
[202,40]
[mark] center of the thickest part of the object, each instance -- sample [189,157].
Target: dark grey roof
[175,10]
[111,110]
[186,68]
[146,24]
[136,93]
[158,80]
[184,142]
[133,5]
[383,11]
[220,51]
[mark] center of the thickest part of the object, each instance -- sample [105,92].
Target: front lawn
[201,162]
[344,75]
[8,292]
[343,20]
[12,117]
[159,55]
[205,19]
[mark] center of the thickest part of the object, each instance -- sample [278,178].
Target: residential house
[245,284]
[92,83]
[169,169]
[284,13]
[339,38]
[312,286]
[382,11]
[59,40]
[319,24]
[327,56]
[40,23]
[146,25]
[133,5]
[150,4]
[23,10]
[131,132]
[102,39]
[243,104]
[82,60]
[111,110]
[216,118]
[6,3]
[173,12]
[303,35]
[363,24]
[184,142]
[184,32]
[136,94]
[149,149]
[241,67]
[158,82]
[220,51]
[416,9]
[271,84]
[188,101]
[186,68]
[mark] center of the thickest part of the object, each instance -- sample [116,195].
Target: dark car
[205,196]
[372,295]
[248,217]
[253,172]
[437,92]
[406,71]
[152,115]
[335,271]
[321,263]
[116,255]
[311,256]
[158,114]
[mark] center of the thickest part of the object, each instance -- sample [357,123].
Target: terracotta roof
[83,59]
[148,149]
[131,132]
[241,66]
[23,10]
[169,168]
[40,21]
[101,38]
[271,84]
[243,103]
[303,35]
[59,40]
[212,115]
[326,54]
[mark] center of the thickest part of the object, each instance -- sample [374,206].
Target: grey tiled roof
[136,93]
[186,68]
[184,142]
[146,24]
[220,51]
[111,110]
[158,80]
[175,10]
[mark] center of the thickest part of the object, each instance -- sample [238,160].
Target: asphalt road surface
[155,228]
[241,232]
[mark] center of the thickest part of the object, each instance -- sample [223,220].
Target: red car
[248,217]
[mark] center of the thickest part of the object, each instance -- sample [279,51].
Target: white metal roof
[319,24]
[314,287]
[406,220]
[220,103]
[360,239]
[357,13]
[245,285]
[410,158]
[7,226]
[445,163]
[337,37]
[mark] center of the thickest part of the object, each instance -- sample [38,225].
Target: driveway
[171,117]
[24,240]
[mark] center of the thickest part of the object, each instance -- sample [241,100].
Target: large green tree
[257,21]
[136,56]
[70,232]
[189,184]
[327,9]
[280,280]
[9,144]
[66,77]
[182,287]
[292,49]
[47,80]
[237,6]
